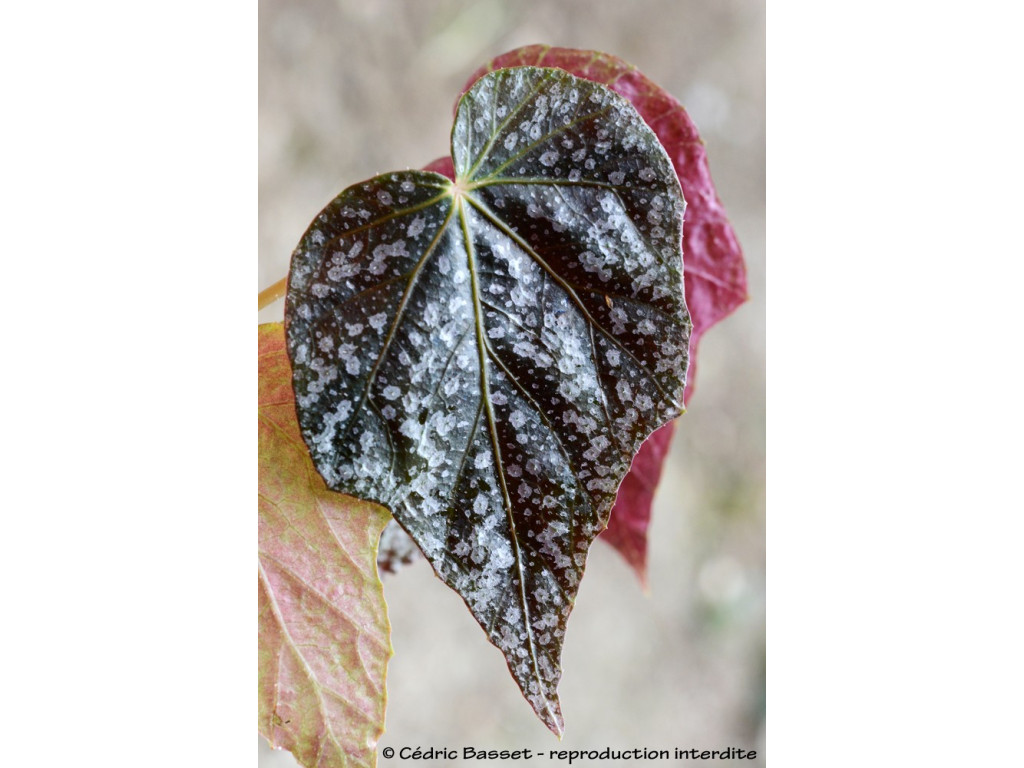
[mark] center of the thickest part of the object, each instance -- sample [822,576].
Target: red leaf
[627,527]
[714,271]
[442,165]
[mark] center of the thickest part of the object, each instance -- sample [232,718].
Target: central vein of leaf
[485,385]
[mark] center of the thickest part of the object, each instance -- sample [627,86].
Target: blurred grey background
[352,88]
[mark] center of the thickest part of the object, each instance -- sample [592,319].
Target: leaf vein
[414,275]
[567,288]
[495,444]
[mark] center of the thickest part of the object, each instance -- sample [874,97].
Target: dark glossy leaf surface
[397,549]
[484,357]
[715,274]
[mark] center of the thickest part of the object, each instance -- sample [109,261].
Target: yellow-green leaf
[324,636]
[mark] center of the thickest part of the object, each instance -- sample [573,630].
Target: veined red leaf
[324,636]
[485,356]
[714,272]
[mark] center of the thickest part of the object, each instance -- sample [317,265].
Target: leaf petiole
[269,295]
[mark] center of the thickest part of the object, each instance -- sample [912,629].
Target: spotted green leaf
[484,356]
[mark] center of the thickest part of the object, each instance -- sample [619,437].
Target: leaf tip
[556,724]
